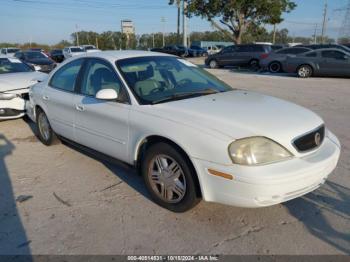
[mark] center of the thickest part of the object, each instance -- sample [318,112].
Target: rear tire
[304,71]
[44,131]
[253,64]
[169,178]
[275,67]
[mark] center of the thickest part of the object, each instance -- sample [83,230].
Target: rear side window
[333,54]
[312,54]
[244,48]
[66,76]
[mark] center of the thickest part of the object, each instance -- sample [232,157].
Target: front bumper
[268,185]
[11,109]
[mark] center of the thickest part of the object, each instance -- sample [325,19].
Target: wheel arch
[150,140]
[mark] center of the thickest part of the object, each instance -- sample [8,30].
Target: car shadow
[13,238]
[315,209]
[128,174]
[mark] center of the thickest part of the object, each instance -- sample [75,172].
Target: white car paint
[9,51]
[17,83]
[203,127]
[90,48]
[68,53]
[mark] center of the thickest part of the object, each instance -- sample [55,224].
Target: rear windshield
[76,50]
[34,55]
[13,65]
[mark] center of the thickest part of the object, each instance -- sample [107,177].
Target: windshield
[89,47]
[157,79]
[34,55]
[76,50]
[13,65]
[12,50]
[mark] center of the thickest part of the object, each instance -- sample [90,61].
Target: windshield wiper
[179,96]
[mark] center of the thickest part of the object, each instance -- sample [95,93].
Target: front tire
[45,133]
[169,178]
[213,64]
[304,71]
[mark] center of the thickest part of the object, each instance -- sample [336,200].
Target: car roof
[122,54]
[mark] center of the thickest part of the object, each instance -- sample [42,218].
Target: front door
[100,124]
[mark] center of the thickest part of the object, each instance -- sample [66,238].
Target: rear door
[100,124]
[59,98]
[243,55]
[334,62]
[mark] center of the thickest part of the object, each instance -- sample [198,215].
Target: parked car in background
[277,47]
[36,50]
[38,60]
[90,48]
[171,49]
[273,60]
[57,55]
[9,51]
[320,62]
[72,51]
[347,45]
[238,55]
[191,135]
[211,50]
[200,51]
[15,79]
[322,46]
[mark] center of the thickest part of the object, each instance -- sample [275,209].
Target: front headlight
[257,151]
[5,96]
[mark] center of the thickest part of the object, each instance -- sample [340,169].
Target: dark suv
[238,55]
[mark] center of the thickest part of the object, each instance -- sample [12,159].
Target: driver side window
[100,75]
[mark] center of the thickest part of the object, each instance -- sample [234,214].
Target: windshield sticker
[185,62]
[14,60]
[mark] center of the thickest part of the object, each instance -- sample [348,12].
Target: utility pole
[96,42]
[324,23]
[153,40]
[315,35]
[178,4]
[163,21]
[77,34]
[274,34]
[184,22]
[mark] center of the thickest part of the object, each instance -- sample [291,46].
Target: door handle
[79,108]
[46,98]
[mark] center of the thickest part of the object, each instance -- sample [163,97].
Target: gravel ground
[61,200]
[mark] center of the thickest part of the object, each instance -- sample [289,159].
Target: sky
[49,21]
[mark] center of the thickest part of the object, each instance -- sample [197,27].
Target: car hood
[40,61]
[17,81]
[238,114]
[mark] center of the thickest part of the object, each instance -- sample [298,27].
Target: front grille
[310,140]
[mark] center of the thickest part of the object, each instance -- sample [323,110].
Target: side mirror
[107,94]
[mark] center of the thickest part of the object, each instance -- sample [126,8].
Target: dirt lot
[83,204]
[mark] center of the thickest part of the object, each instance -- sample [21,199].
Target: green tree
[236,16]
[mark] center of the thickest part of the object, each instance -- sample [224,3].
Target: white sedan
[191,135]
[15,80]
